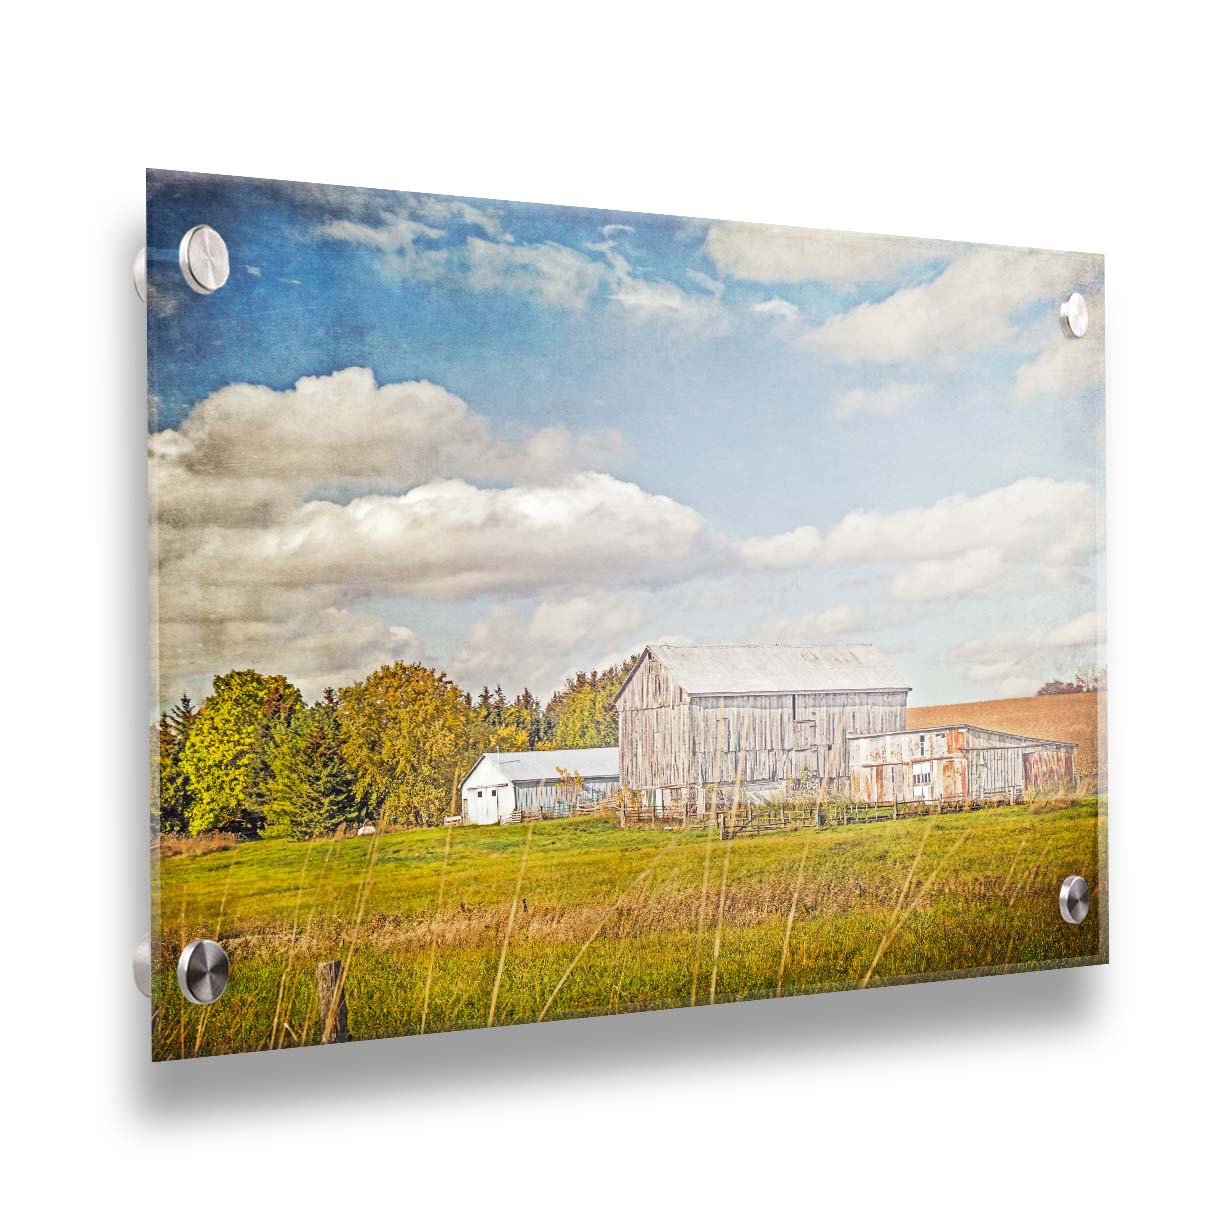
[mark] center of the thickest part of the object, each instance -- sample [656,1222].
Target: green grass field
[609,920]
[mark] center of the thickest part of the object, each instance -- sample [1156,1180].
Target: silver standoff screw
[1073,315]
[1074,899]
[204,259]
[141,968]
[140,275]
[203,971]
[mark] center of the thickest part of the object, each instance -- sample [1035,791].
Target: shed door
[482,805]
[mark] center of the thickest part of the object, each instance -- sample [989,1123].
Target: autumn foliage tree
[226,758]
[405,731]
[257,761]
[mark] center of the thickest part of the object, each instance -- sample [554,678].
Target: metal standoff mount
[203,971]
[1073,316]
[141,968]
[1074,899]
[203,259]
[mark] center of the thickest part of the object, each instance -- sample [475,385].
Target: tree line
[257,760]
[1088,679]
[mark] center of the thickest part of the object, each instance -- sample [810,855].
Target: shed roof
[532,766]
[1012,735]
[714,670]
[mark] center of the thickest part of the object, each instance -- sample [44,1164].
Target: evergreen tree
[173,791]
[311,789]
[181,718]
[531,716]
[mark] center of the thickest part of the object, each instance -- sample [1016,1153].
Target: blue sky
[615,428]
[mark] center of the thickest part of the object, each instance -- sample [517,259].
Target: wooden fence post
[333,1008]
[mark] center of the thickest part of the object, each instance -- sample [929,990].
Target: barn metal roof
[532,766]
[714,670]
[1014,735]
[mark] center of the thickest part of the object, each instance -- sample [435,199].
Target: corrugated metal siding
[542,793]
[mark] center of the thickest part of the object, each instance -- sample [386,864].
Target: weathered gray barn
[696,716]
[959,761]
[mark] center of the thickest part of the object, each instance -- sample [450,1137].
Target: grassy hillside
[607,920]
[1069,716]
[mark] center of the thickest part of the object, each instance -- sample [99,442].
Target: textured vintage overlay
[560,612]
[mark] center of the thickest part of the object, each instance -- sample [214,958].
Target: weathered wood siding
[669,739]
[954,762]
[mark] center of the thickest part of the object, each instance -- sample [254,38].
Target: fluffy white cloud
[1084,630]
[452,540]
[538,648]
[887,400]
[776,308]
[972,572]
[1064,369]
[273,514]
[280,513]
[778,254]
[838,622]
[315,648]
[1016,663]
[1033,517]
[787,550]
[1033,532]
[969,307]
[248,453]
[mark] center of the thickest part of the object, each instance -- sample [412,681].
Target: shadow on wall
[815,1029]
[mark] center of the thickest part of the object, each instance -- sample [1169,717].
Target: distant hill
[1068,716]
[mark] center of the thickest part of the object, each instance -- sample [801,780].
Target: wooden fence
[734,821]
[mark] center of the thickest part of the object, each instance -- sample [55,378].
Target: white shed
[502,786]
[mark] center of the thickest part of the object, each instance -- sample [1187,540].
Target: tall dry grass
[433,934]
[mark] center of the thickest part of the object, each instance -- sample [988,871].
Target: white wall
[1091,1093]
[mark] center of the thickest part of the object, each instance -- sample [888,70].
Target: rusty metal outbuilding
[955,762]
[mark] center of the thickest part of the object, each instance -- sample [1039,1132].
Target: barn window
[480,794]
[922,745]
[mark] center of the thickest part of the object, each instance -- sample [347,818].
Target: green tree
[311,789]
[530,715]
[227,753]
[404,732]
[173,796]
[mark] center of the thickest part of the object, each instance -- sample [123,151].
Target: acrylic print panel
[561,613]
